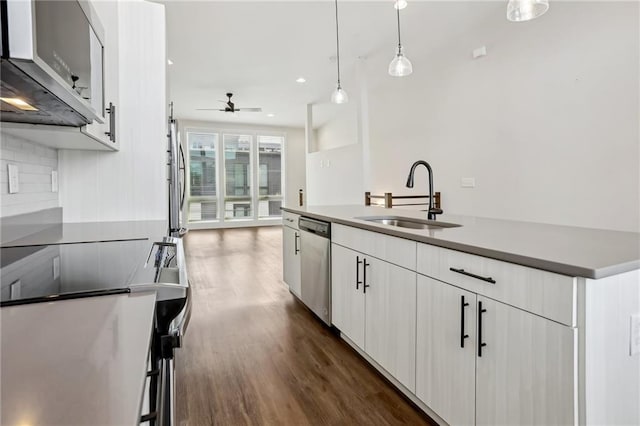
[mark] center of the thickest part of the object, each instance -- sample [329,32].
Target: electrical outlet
[15,289]
[54,181]
[14,181]
[634,338]
[468,182]
[56,267]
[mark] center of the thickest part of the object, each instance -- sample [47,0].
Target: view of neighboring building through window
[249,168]
[203,200]
[237,166]
[270,175]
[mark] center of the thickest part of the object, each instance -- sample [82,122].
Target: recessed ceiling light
[301,80]
[169,61]
[271,115]
[400,4]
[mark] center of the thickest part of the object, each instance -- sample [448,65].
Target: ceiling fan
[230,107]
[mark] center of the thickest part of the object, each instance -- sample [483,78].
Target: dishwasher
[315,266]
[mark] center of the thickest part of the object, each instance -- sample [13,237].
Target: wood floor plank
[254,355]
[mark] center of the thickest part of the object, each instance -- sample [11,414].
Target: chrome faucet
[432,211]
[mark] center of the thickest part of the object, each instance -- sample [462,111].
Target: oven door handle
[178,330]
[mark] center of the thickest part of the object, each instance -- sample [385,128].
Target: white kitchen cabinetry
[373,301]
[291,252]
[347,296]
[526,374]
[106,132]
[445,358]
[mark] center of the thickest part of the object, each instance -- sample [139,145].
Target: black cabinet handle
[295,243]
[358,282]
[112,122]
[149,417]
[469,274]
[463,336]
[481,344]
[364,276]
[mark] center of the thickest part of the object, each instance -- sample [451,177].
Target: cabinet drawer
[391,249]
[290,219]
[543,293]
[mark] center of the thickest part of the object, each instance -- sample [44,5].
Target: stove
[49,273]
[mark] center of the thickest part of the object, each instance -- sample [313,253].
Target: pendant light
[400,66]
[339,96]
[525,10]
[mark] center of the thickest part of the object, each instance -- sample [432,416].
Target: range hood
[51,63]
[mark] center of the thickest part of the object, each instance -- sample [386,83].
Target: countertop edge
[532,262]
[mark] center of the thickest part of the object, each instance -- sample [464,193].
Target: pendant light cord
[337,43]
[399,44]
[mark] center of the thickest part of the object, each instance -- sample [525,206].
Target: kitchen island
[491,322]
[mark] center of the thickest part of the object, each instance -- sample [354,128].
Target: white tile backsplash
[35,163]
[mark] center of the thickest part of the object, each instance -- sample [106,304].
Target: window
[270,175]
[250,171]
[202,203]
[237,164]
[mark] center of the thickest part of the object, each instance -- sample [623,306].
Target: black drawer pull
[481,344]
[364,278]
[295,243]
[469,274]
[358,282]
[463,336]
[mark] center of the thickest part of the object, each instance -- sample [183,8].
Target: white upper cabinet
[107,132]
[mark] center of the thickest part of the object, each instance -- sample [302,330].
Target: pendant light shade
[339,96]
[525,10]
[400,66]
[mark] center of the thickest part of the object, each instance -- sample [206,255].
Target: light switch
[14,182]
[54,181]
[15,289]
[634,344]
[468,182]
[56,267]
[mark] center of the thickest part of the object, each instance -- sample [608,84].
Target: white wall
[547,122]
[35,164]
[334,176]
[340,130]
[295,173]
[129,184]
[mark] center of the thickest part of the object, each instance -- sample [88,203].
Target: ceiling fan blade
[249,109]
[209,109]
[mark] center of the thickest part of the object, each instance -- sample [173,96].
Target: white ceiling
[257,50]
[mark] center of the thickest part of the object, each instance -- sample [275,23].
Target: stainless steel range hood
[51,66]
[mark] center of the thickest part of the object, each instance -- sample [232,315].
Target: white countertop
[568,250]
[75,362]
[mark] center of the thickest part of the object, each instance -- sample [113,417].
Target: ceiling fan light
[400,66]
[526,10]
[339,96]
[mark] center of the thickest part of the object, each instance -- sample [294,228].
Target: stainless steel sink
[408,222]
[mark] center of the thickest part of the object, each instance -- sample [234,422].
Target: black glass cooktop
[69,270]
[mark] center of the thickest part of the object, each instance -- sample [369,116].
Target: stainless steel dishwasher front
[315,267]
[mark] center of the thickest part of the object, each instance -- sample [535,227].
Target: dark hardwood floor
[254,355]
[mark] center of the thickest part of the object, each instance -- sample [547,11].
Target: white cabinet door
[445,359]
[291,258]
[390,336]
[106,132]
[525,375]
[347,296]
